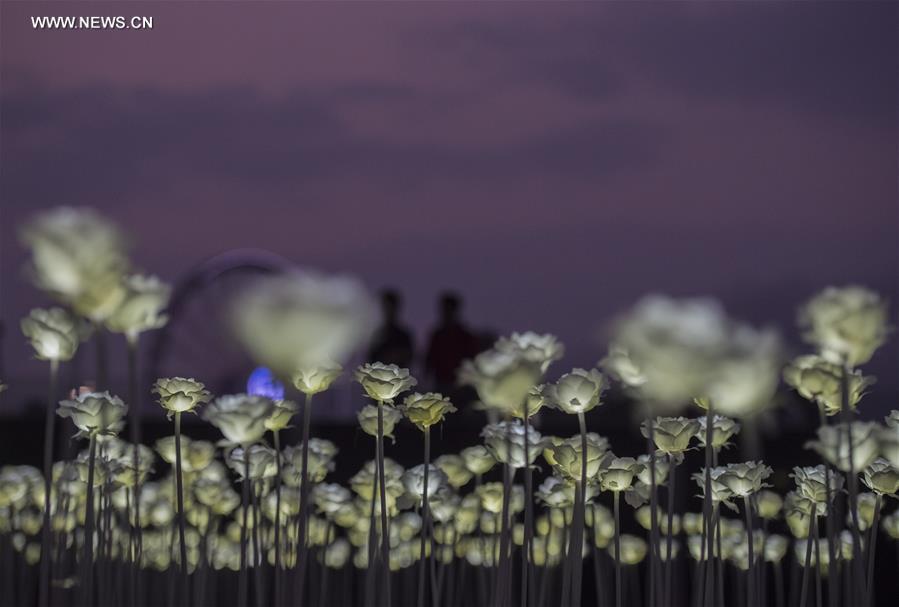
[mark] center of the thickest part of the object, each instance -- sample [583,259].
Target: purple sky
[553,162]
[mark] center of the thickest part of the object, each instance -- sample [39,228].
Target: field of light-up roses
[519,518]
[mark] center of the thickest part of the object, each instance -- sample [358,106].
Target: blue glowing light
[262,382]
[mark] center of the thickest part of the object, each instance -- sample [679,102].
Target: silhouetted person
[392,342]
[450,343]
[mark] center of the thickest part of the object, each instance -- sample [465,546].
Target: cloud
[837,59]
[97,143]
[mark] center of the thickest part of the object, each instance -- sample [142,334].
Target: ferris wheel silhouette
[196,340]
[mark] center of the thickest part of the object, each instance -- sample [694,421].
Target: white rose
[141,309]
[383,382]
[54,334]
[78,257]
[95,412]
[578,391]
[303,319]
[848,324]
[240,417]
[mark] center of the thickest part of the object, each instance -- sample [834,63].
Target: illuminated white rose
[811,484]
[578,391]
[881,477]
[720,493]
[128,474]
[240,417]
[848,324]
[621,367]
[141,308]
[363,483]
[302,319]
[261,461]
[329,498]
[746,379]
[502,378]
[671,434]
[746,478]
[384,383]
[506,442]
[723,428]
[414,480]
[643,516]
[454,467]
[556,493]
[769,504]
[491,496]
[180,394]
[320,462]
[425,410]
[313,379]
[633,549]
[676,345]
[337,553]
[541,349]
[661,468]
[821,381]
[95,413]
[566,456]
[281,415]
[78,257]
[54,334]
[368,419]
[617,473]
[478,459]
[833,445]
[775,548]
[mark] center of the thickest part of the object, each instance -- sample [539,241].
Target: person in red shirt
[450,343]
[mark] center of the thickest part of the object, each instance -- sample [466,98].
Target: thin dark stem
[566,563]
[669,560]
[277,442]
[750,580]
[257,553]
[779,582]
[179,485]
[372,526]
[818,591]
[872,548]
[527,545]
[385,531]
[720,562]
[245,499]
[44,588]
[808,557]
[422,561]
[617,551]
[846,413]
[135,435]
[87,577]
[502,566]
[653,510]
[707,498]
[581,505]
[304,499]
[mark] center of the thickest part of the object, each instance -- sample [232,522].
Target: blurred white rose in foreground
[847,324]
[502,378]
[144,299]
[668,351]
[78,257]
[301,320]
[54,334]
